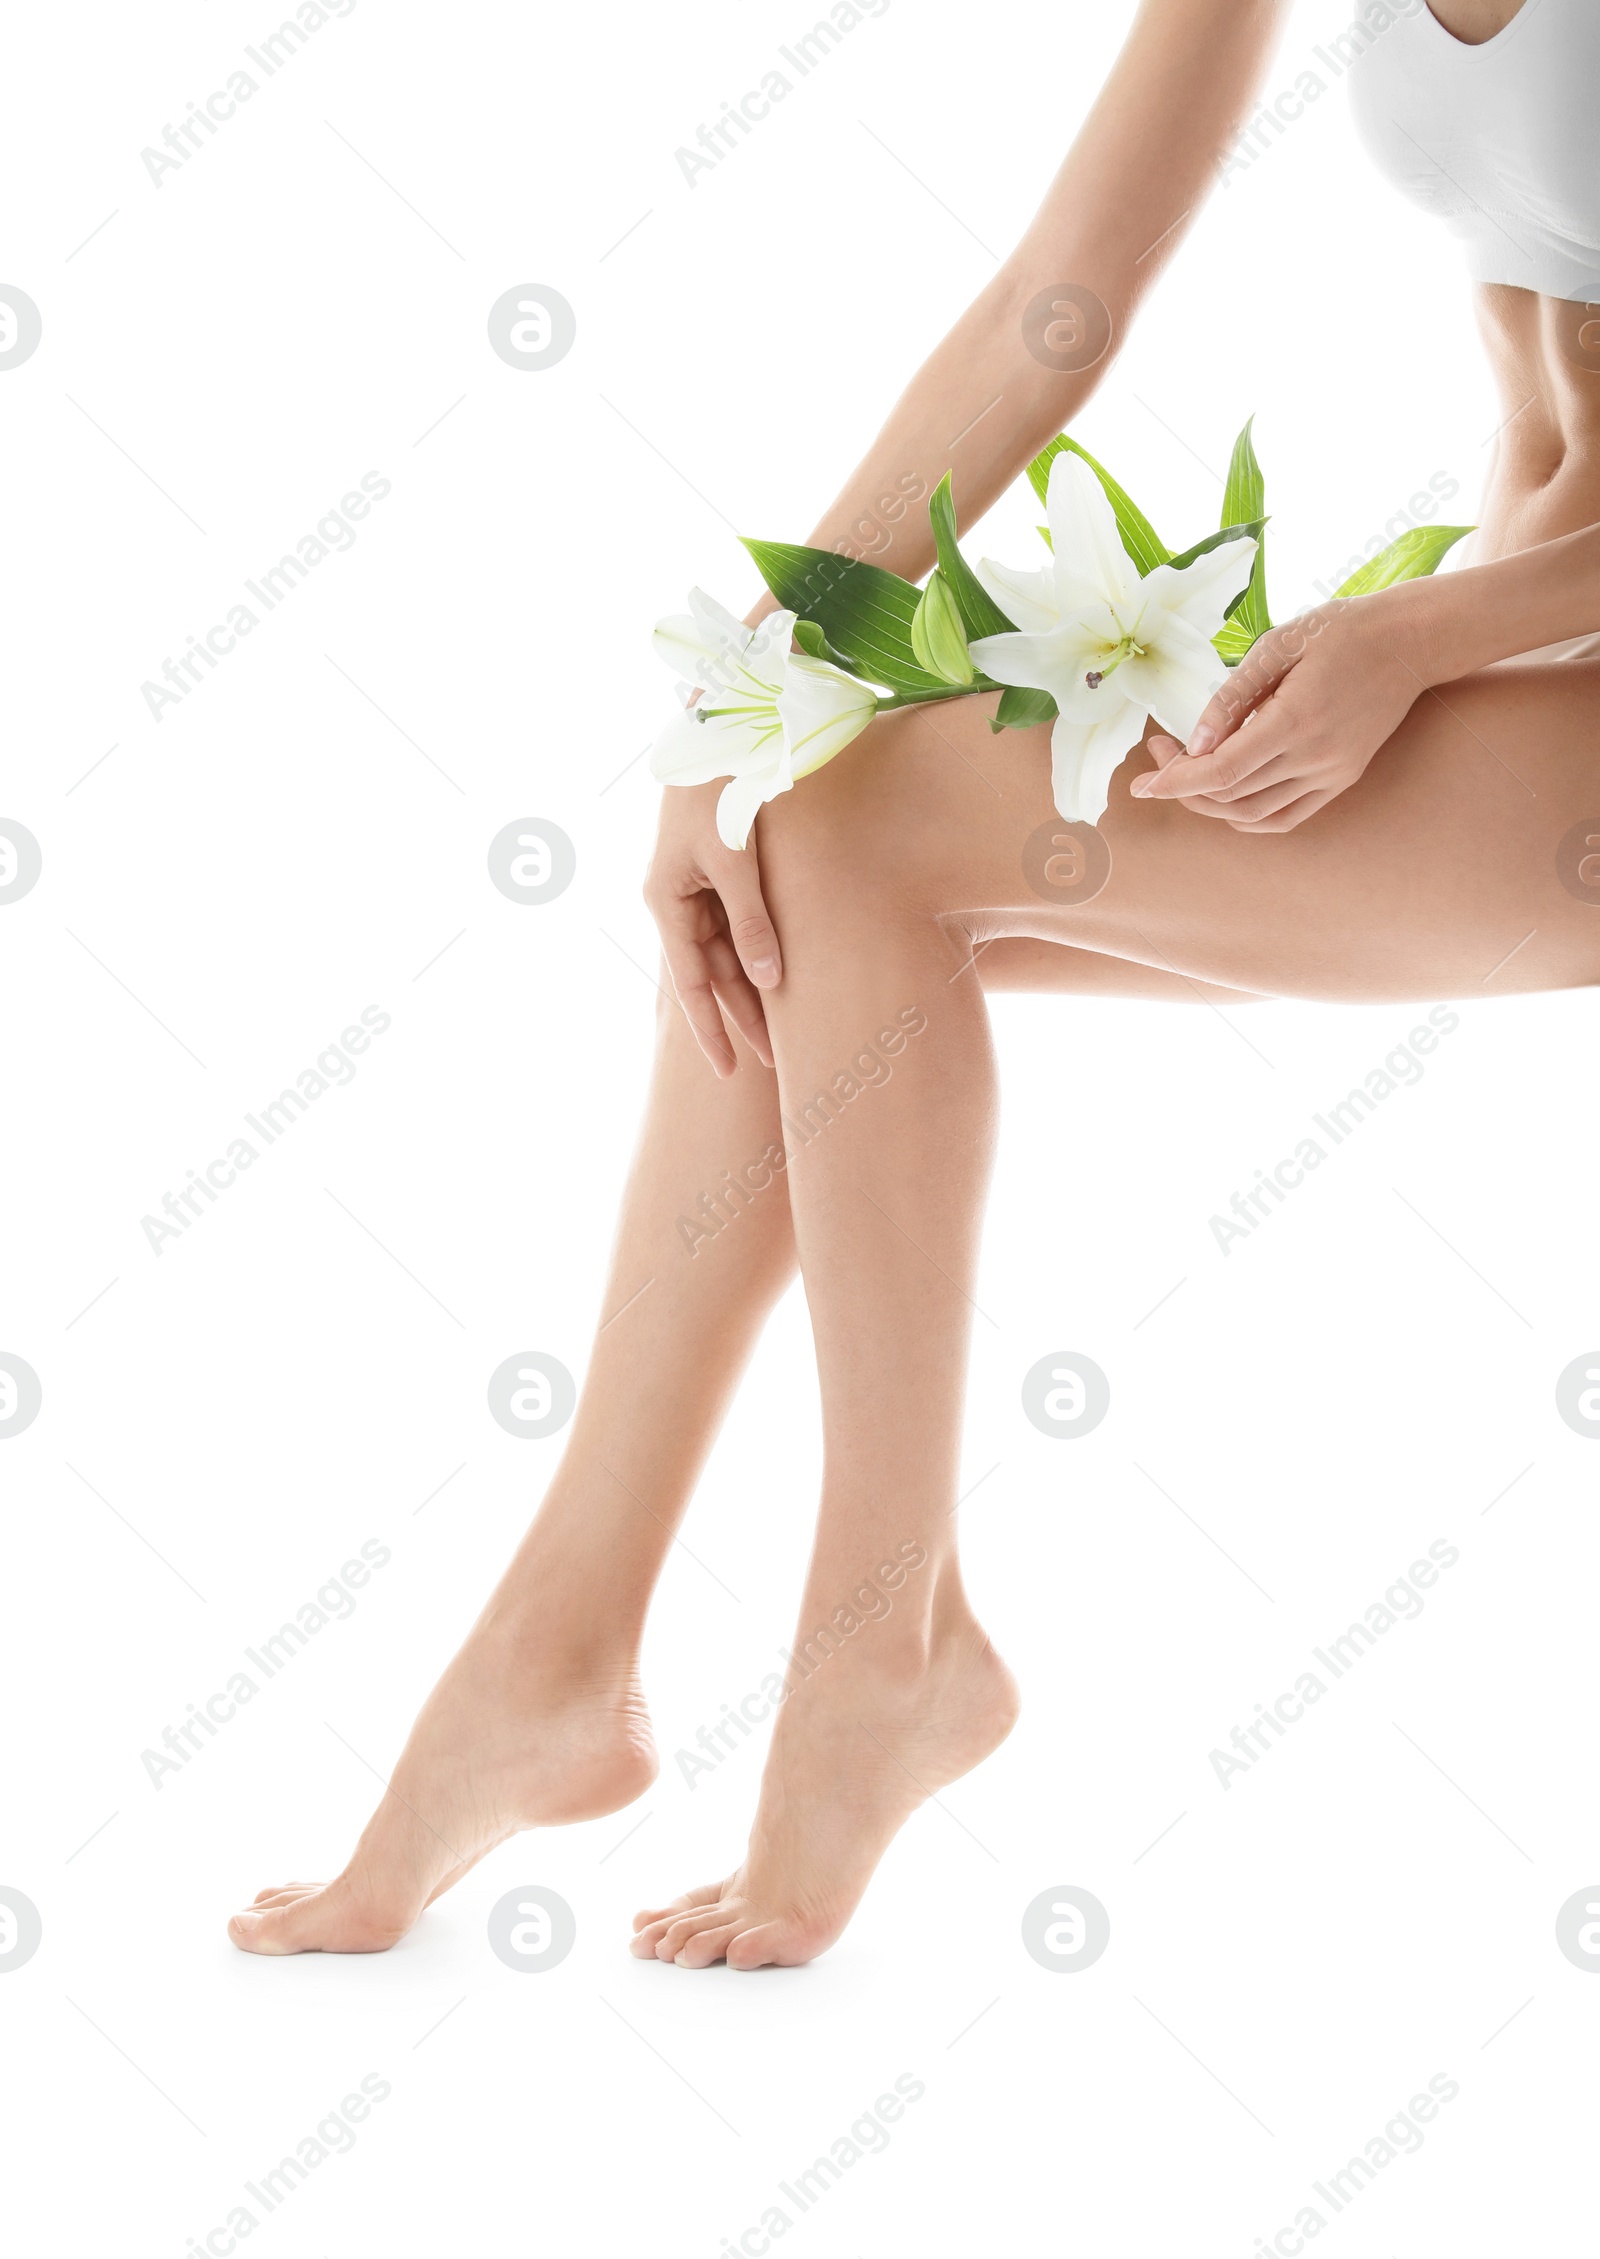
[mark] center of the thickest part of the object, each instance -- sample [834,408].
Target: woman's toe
[706,1895]
[322,1918]
[289,1927]
[767,1944]
[677,1934]
[706,1946]
[717,1915]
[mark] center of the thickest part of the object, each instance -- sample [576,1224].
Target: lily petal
[1177,676]
[1019,659]
[1056,662]
[1028,600]
[1090,562]
[682,754]
[766,654]
[719,630]
[678,641]
[1084,760]
[822,710]
[1202,592]
[736,810]
[709,648]
[692,751]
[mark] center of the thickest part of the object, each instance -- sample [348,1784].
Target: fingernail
[764,971]
[1140,788]
[1202,742]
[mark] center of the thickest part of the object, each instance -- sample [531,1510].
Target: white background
[1299,1953]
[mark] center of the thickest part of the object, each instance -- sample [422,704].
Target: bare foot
[857,1747]
[507,1740]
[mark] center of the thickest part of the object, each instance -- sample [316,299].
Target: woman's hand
[719,942]
[1296,722]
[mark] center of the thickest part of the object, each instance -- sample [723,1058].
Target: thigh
[1014,964]
[1437,874]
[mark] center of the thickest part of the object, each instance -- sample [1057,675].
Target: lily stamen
[1126,649]
[1087,613]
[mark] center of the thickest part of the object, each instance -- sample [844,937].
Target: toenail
[246,1921]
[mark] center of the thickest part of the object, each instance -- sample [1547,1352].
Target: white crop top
[1502,140]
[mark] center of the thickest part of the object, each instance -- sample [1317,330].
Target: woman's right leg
[1440,873]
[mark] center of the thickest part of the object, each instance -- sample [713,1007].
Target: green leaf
[1023,709]
[1244,499]
[980,614]
[812,640]
[1235,611]
[1215,541]
[864,612]
[1232,641]
[1417,553]
[1245,495]
[1139,537]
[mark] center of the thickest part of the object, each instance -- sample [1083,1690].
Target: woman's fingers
[1257,674]
[1241,756]
[739,1001]
[1287,818]
[1165,750]
[699,1002]
[718,940]
[742,954]
[737,878]
[684,928]
[1287,769]
[1280,787]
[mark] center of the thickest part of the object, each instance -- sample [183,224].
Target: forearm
[1456,622]
[983,404]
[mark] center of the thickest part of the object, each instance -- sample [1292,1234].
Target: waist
[1544,471]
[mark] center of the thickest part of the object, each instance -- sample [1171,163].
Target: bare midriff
[1545,475]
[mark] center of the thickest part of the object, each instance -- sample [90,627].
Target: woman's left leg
[1436,875]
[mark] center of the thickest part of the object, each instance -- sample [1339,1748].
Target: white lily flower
[1111,649]
[767,715]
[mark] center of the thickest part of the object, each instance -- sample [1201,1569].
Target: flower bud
[938,637]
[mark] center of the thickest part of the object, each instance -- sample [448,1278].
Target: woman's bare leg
[540,1717]
[883,872]
[888,1084]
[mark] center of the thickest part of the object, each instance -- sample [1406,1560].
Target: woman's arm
[1300,719]
[1460,621]
[982,405]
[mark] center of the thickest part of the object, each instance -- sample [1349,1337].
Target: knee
[846,841]
[816,855]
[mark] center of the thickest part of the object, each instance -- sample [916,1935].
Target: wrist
[1422,627]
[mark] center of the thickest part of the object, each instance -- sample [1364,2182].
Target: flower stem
[935,697]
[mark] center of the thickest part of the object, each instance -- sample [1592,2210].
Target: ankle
[900,1638]
[552,1638]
